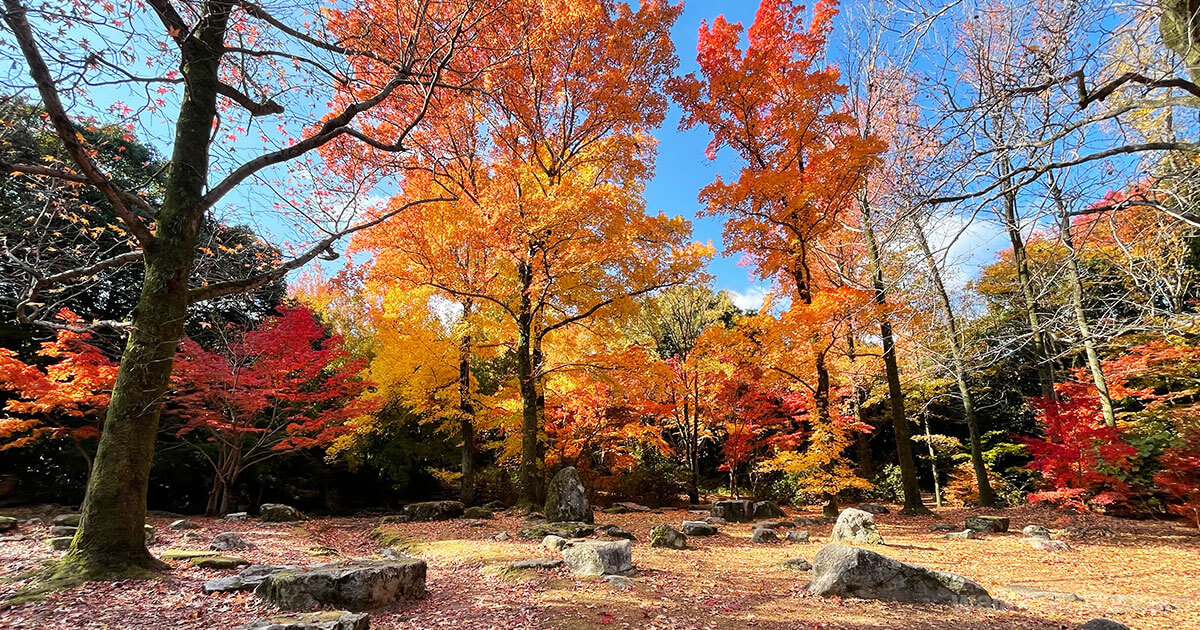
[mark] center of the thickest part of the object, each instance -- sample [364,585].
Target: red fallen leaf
[606,618]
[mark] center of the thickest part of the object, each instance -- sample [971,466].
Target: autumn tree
[215,66]
[283,386]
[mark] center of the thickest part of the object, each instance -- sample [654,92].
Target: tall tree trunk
[866,468]
[987,497]
[1041,349]
[933,467]
[111,540]
[1075,277]
[528,471]
[908,468]
[466,422]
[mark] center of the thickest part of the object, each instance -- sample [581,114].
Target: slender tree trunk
[987,497]
[908,469]
[528,471]
[1075,277]
[937,486]
[1041,348]
[866,468]
[110,540]
[466,421]
[214,497]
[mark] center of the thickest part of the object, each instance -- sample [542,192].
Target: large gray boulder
[856,526]
[355,585]
[599,558]
[247,579]
[766,509]
[278,513]
[324,620]
[845,571]
[434,510]
[229,541]
[667,537]
[733,511]
[987,524]
[873,508]
[764,535]
[566,498]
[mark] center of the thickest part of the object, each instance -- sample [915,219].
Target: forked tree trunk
[891,368]
[987,497]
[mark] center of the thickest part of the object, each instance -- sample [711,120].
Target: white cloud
[751,299]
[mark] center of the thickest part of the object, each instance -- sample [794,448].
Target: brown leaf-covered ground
[1143,573]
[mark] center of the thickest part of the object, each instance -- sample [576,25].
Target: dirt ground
[1145,574]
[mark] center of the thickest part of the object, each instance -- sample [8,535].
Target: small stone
[1042,544]
[324,620]
[699,528]
[943,527]
[237,516]
[355,585]
[8,523]
[667,537]
[599,558]
[554,543]
[966,534]
[1036,531]
[632,507]
[1038,593]
[63,530]
[614,509]
[183,523]
[987,524]
[873,508]
[434,510]
[620,581]
[774,524]
[278,513]
[61,543]
[476,523]
[394,518]
[808,521]
[856,526]
[764,535]
[537,531]
[797,535]
[537,563]
[187,554]
[797,564]
[715,520]
[35,521]
[1103,624]
[67,520]
[502,536]
[495,506]
[617,532]
[225,585]
[477,512]
[218,562]
[228,541]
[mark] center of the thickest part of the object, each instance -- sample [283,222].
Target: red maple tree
[281,387]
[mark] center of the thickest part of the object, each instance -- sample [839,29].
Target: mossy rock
[218,562]
[60,543]
[538,531]
[188,554]
[477,512]
[68,520]
[8,523]
[323,620]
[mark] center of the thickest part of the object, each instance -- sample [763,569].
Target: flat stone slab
[248,579]
[699,528]
[434,510]
[537,563]
[356,585]
[187,554]
[324,620]
[68,520]
[539,531]
[218,562]
[1040,593]
[797,564]
[987,524]
[845,571]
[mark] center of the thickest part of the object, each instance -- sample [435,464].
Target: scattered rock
[218,562]
[699,528]
[943,527]
[766,509]
[477,512]
[987,524]
[394,518]
[621,581]
[534,516]
[237,516]
[61,543]
[856,526]
[536,531]
[148,530]
[1036,531]
[502,536]
[844,571]
[225,585]
[35,521]
[774,524]
[66,520]
[1038,593]
[278,513]
[183,523]
[566,498]
[873,508]
[797,535]
[617,532]
[63,530]
[324,620]
[247,579]
[228,541]
[495,506]
[632,507]
[764,535]
[537,563]
[599,558]
[808,521]
[966,534]
[434,510]
[715,520]
[473,522]
[8,523]
[615,509]
[1042,544]
[554,543]
[356,585]
[797,564]
[733,511]
[1103,624]
[667,537]
[187,554]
